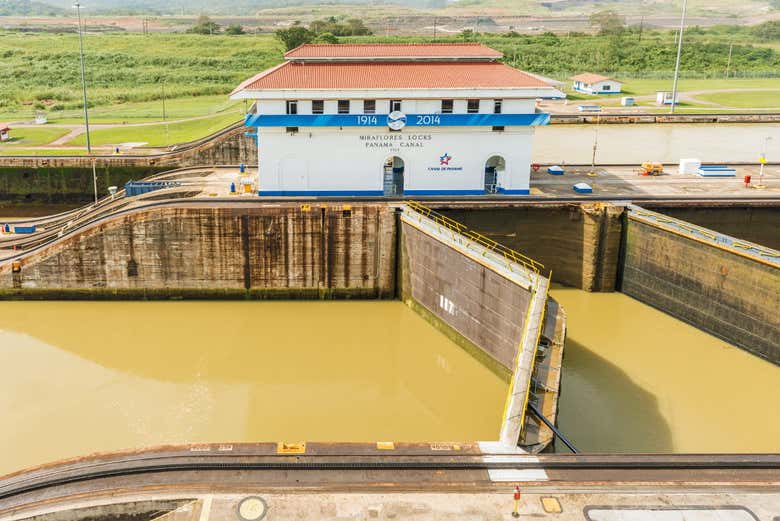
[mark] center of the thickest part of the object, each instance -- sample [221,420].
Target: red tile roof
[391,75]
[395,50]
[588,77]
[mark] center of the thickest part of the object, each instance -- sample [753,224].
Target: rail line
[69,474]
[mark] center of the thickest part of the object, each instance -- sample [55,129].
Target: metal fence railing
[485,242]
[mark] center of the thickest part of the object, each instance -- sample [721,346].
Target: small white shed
[664,97]
[589,83]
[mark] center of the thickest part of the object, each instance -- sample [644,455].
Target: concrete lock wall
[283,252]
[472,299]
[489,304]
[711,285]
[579,243]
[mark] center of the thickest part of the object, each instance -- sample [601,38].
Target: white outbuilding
[394,119]
[589,83]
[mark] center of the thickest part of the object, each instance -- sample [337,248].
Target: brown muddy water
[82,377]
[638,380]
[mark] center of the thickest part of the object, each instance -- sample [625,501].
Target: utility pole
[77,6]
[762,160]
[595,144]
[641,27]
[728,62]
[165,119]
[677,63]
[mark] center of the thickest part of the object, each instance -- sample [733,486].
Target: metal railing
[485,242]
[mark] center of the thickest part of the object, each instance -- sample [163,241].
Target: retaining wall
[713,284]
[490,305]
[195,252]
[579,243]
[755,222]
[474,300]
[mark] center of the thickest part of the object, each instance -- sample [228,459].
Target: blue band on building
[412,120]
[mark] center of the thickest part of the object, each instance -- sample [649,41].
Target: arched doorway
[394,176]
[495,167]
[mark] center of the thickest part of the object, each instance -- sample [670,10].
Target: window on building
[292,130]
[292,107]
[447,106]
[606,87]
[369,106]
[317,106]
[395,105]
[498,129]
[343,106]
[473,106]
[498,105]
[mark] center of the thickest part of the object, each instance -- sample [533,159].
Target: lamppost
[677,63]
[165,120]
[762,160]
[77,6]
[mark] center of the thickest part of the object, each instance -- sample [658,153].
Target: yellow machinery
[649,168]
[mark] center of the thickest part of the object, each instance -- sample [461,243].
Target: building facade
[589,83]
[393,119]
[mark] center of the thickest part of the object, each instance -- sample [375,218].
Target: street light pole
[165,120]
[84,97]
[677,63]
[762,160]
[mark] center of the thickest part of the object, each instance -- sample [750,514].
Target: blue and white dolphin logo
[396,120]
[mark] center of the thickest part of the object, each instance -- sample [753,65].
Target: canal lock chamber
[361,252]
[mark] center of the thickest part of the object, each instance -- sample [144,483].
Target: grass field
[27,136]
[21,151]
[41,71]
[754,99]
[150,111]
[154,135]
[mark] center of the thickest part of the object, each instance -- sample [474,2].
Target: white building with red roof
[393,119]
[589,83]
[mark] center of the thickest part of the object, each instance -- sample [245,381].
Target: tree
[326,38]
[608,22]
[234,29]
[767,31]
[295,36]
[204,25]
[467,35]
[357,27]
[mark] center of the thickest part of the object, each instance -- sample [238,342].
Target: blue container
[555,170]
[583,188]
[7,228]
[232,188]
[24,229]
[242,168]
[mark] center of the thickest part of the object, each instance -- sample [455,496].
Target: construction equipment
[649,168]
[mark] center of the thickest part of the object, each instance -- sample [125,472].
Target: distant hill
[708,9]
[28,8]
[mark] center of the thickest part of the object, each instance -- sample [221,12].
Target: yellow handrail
[486,242]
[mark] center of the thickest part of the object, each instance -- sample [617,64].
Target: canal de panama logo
[396,120]
[445,159]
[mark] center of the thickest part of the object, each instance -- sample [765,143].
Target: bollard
[516,511]
[747,181]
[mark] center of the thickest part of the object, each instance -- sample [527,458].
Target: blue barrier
[24,229]
[717,171]
[133,188]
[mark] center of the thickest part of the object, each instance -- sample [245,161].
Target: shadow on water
[602,410]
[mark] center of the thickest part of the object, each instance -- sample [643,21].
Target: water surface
[638,380]
[82,377]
